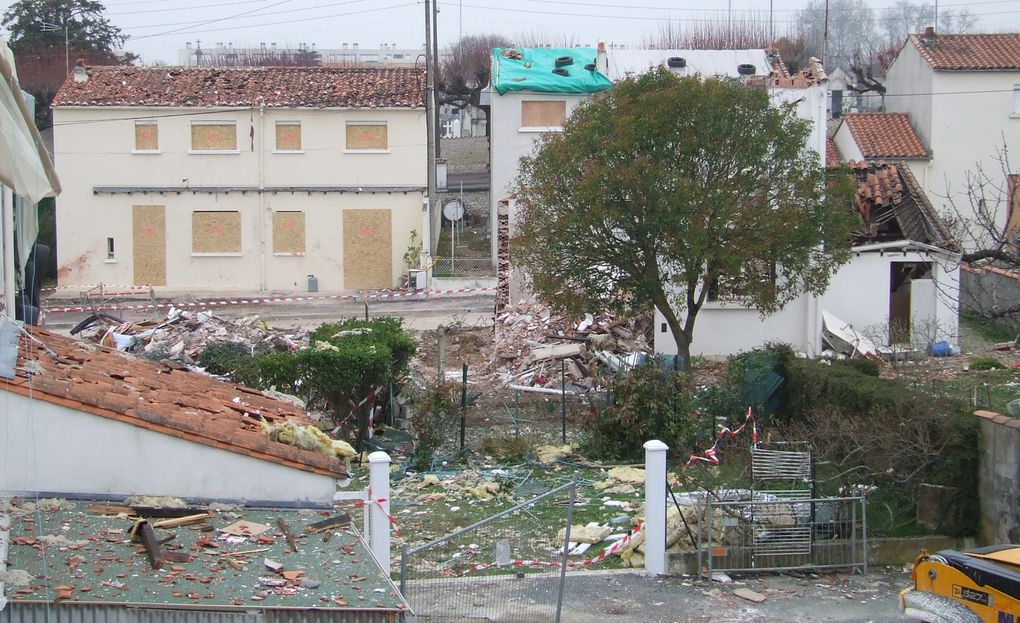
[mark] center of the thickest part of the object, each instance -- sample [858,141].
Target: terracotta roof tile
[885,135]
[832,157]
[975,52]
[894,206]
[193,406]
[274,87]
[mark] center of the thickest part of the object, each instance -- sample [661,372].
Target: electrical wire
[218,19]
[284,12]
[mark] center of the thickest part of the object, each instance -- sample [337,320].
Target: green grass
[987,329]
[990,389]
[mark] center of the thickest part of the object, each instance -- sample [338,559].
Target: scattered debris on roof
[192,557]
[963,52]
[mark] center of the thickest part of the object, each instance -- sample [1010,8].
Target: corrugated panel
[327,616]
[81,613]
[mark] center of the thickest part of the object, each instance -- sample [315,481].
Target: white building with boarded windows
[239,179]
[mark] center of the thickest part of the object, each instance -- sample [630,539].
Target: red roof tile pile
[162,397]
[273,87]
[881,187]
[885,135]
[975,52]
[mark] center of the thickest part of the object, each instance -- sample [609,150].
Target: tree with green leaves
[664,184]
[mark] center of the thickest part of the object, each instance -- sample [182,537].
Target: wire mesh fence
[463,267]
[501,568]
[768,531]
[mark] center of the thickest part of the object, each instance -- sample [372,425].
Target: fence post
[379,512]
[655,507]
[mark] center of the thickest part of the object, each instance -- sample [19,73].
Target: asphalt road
[468,309]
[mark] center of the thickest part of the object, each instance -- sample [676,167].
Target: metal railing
[773,533]
[494,569]
[463,267]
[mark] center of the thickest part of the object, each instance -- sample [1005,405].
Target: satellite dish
[453,210]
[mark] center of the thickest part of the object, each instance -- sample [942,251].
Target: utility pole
[435,63]
[430,106]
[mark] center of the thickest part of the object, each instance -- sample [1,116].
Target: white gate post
[655,507]
[379,518]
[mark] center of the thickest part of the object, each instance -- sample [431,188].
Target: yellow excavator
[976,586]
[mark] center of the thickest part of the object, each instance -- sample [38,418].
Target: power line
[280,22]
[219,19]
[284,12]
[181,8]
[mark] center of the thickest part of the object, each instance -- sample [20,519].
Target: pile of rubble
[182,335]
[531,338]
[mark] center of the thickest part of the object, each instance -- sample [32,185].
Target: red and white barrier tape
[710,456]
[379,502]
[259,301]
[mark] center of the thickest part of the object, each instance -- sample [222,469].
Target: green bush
[432,412]
[867,367]
[647,404]
[223,358]
[812,383]
[277,371]
[986,363]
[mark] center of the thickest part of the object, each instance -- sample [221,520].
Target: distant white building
[227,55]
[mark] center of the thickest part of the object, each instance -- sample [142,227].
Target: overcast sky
[159,28]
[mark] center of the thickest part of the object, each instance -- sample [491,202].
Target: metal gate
[496,568]
[764,532]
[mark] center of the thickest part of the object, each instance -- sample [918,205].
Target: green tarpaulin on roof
[531,69]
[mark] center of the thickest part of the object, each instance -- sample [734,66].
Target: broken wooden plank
[161,512]
[151,546]
[291,539]
[337,521]
[177,522]
[556,351]
[108,509]
[176,557]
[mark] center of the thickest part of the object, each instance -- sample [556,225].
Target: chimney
[602,59]
[928,37]
[80,74]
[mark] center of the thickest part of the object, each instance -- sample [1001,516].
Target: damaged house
[141,491]
[246,179]
[901,285]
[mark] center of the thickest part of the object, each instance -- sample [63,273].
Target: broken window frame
[367,150]
[720,292]
[210,122]
[146,122]
[284,150]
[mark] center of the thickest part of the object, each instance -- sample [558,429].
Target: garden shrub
[222,358]
[986,363]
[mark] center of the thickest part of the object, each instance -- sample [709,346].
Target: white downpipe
[655,507]
[262,199]
[379,511]
[8,256]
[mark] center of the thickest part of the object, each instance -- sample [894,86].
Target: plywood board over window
[543,114]
[288,232]
[216,232]
[148,228]
[146,136]
[288,136]
[367,136]
[368,249]
[214,136]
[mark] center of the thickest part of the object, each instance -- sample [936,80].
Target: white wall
[810,105]
[508,144]
[963,116]
[55,449]
[93,149]
[858,294]
[845,143]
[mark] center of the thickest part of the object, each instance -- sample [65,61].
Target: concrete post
[378,518]
[655,507]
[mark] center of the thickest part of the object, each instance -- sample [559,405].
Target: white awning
[25,165]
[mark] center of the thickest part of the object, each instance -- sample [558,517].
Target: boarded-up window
[288,232]
[214,136]
[367,136]
[215,232]
[148,226]
[288,136]
[535,114]
[368,249]
[146,136]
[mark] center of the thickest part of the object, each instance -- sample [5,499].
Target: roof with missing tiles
[273,87]
[893,206]
[163,397]
[885,135]
[969,52]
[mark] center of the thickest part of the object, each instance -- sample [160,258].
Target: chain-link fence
[509,567]
[463,267]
